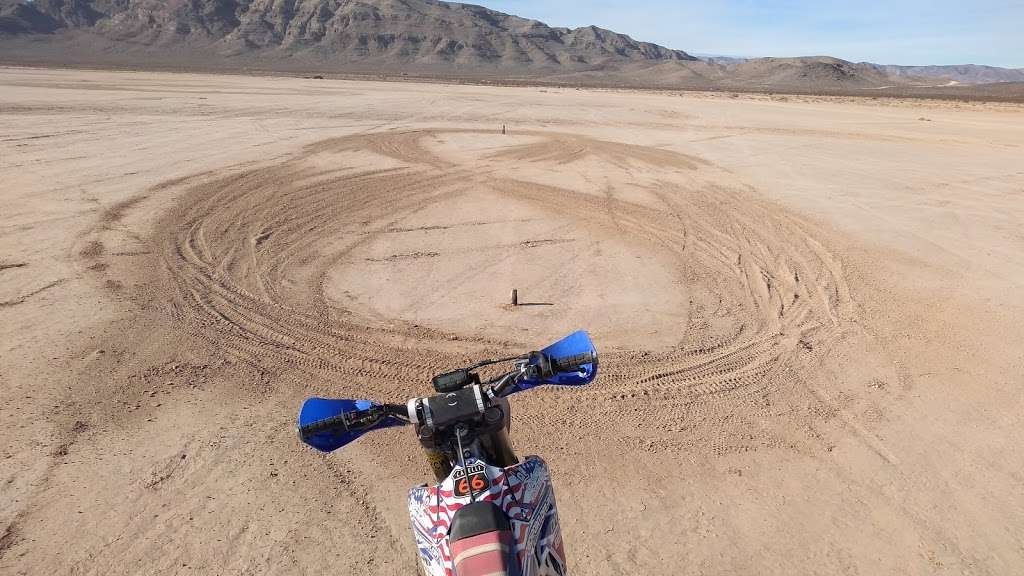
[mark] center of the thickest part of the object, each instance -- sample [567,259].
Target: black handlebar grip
[571,363]
[333,423]
[400,410]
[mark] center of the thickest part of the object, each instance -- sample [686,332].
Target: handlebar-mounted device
[455,380]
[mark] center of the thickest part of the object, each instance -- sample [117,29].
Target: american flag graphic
[523,491]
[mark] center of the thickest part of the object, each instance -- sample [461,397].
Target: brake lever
[507,382]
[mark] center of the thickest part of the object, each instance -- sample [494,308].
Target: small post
[503,129]
[515,297]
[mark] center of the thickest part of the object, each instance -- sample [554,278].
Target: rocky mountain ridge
[392,32]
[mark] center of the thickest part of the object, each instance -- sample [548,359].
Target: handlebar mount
[460,395]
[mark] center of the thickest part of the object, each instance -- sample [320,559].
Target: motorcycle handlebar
[399,410]
[545,366]
[354,421]
[333,423]
[572,363]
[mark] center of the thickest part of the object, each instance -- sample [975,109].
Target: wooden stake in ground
[515,297]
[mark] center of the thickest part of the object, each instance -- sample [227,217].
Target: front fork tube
[439,462]
[500,448]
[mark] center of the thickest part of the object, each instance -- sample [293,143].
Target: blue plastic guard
[576,343]
[316,409]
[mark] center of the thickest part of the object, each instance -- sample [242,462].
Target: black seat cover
[477,518]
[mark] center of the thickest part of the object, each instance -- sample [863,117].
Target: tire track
[246,256]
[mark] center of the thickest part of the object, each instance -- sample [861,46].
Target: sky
[909,32]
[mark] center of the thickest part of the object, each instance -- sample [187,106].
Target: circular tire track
[245,258]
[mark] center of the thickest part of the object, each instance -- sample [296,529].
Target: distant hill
[964,74]
[416,37]
[960,74]
[807,72]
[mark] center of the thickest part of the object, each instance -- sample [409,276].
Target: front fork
[439,462]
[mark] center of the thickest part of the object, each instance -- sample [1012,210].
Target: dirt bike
[489,513]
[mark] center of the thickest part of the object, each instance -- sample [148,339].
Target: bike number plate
[472,477]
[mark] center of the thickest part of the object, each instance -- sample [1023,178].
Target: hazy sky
[890,32]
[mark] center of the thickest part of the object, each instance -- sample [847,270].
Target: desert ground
[809,314]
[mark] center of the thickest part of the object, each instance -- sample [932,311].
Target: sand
[808,310]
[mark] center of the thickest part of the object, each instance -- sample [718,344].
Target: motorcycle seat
[478,518]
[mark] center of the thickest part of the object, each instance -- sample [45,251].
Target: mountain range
[962,73]
[415,37]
